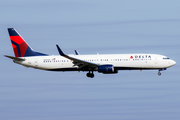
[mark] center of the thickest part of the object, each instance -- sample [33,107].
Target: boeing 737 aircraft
[105,63]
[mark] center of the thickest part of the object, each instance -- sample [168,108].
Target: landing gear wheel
[88,74]
[159,73]
[91,75]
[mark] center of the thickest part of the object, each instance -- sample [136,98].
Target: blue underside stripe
[116,68]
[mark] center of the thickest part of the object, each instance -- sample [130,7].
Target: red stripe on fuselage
[22,44]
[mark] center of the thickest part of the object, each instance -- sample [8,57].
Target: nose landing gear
[89,74]
[162,69]
[159,73]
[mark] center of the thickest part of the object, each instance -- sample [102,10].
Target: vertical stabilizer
[20,46]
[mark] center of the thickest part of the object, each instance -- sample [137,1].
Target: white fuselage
[119,61]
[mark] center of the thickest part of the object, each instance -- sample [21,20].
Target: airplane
[102,63]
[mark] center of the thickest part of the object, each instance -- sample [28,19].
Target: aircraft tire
[159,73]
[91,75]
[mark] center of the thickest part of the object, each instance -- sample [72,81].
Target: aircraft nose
[173,62]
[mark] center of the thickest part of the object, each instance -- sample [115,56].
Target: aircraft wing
[14,58]
[76,61]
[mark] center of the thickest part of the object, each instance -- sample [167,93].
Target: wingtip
[76,52]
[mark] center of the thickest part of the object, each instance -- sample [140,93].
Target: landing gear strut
[162,69]
[91,75]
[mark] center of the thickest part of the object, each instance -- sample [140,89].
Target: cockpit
[166,58]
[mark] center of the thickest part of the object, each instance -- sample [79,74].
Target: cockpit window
[166,58]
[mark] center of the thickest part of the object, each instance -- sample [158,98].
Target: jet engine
[106,69]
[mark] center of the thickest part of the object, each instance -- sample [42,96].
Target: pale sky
[103,26]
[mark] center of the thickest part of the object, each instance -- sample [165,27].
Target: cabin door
[156,61]
[36,62]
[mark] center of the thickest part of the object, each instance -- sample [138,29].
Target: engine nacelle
[106,69]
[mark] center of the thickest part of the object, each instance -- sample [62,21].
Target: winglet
[76,61]
[60,51]
[77,53]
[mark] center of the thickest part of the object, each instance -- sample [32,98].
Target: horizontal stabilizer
[14,58]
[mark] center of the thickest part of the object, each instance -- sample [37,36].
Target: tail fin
[20,46]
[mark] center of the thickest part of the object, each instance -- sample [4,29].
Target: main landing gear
[90,74]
